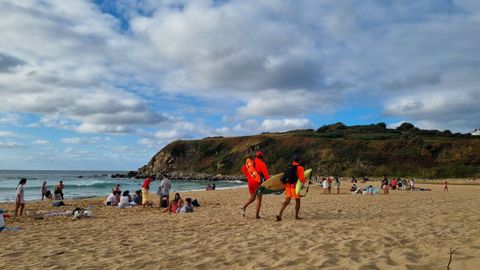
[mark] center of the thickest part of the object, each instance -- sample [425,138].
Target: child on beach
[445,189]
[188,207]
[137,198]
[19,199]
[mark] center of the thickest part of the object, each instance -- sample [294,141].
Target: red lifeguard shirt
[261,168]
[300,171]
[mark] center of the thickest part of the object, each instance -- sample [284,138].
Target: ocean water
[92,184]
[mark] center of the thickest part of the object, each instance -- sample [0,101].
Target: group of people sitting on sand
[386,185]
[140,198]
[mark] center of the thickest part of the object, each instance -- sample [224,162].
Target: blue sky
[106,84]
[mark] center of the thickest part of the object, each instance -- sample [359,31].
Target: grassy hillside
[371,150]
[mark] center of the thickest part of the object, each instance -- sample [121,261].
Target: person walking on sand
[445,188]
[44,189]
[59,190]
[145,189]
[296,173]
[19,197]
[253,184]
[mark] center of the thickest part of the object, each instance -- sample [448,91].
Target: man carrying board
[292,174]
[256,172]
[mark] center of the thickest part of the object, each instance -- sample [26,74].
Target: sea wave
[95,184]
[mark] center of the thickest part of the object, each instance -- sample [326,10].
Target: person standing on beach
[445,189]
[59,189]
[253,185]
[297,173]
[43,189]
[337,184]
[164,189]
[117,188]
[385,186]
[145,189]
[19,197]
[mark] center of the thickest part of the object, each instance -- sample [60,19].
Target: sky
[104,85]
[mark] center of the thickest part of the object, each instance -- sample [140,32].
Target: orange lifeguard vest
[250,165]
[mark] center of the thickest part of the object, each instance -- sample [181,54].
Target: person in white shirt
[113,198]
[125,200]
[164,189]
[19,198]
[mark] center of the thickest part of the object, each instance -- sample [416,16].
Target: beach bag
[290,174]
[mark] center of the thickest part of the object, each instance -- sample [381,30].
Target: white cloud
[285,124]
[277,59]
[9,119]
[292,103]
[7,134]
[89,140]
[41,142]
[11,145]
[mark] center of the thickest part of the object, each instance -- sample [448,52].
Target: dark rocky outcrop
[371,150]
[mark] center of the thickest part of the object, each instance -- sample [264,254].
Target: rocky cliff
[371,150]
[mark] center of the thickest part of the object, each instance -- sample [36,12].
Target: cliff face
[369,150]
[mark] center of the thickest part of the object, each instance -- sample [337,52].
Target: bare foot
[298,218]
[258,217]
[279,218]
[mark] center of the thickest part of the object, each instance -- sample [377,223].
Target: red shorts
[253,186]
[290,191]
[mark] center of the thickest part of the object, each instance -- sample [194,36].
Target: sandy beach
[404,230]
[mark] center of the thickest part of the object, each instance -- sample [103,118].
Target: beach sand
[404,230]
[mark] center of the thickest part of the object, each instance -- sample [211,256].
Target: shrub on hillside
[405,126]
